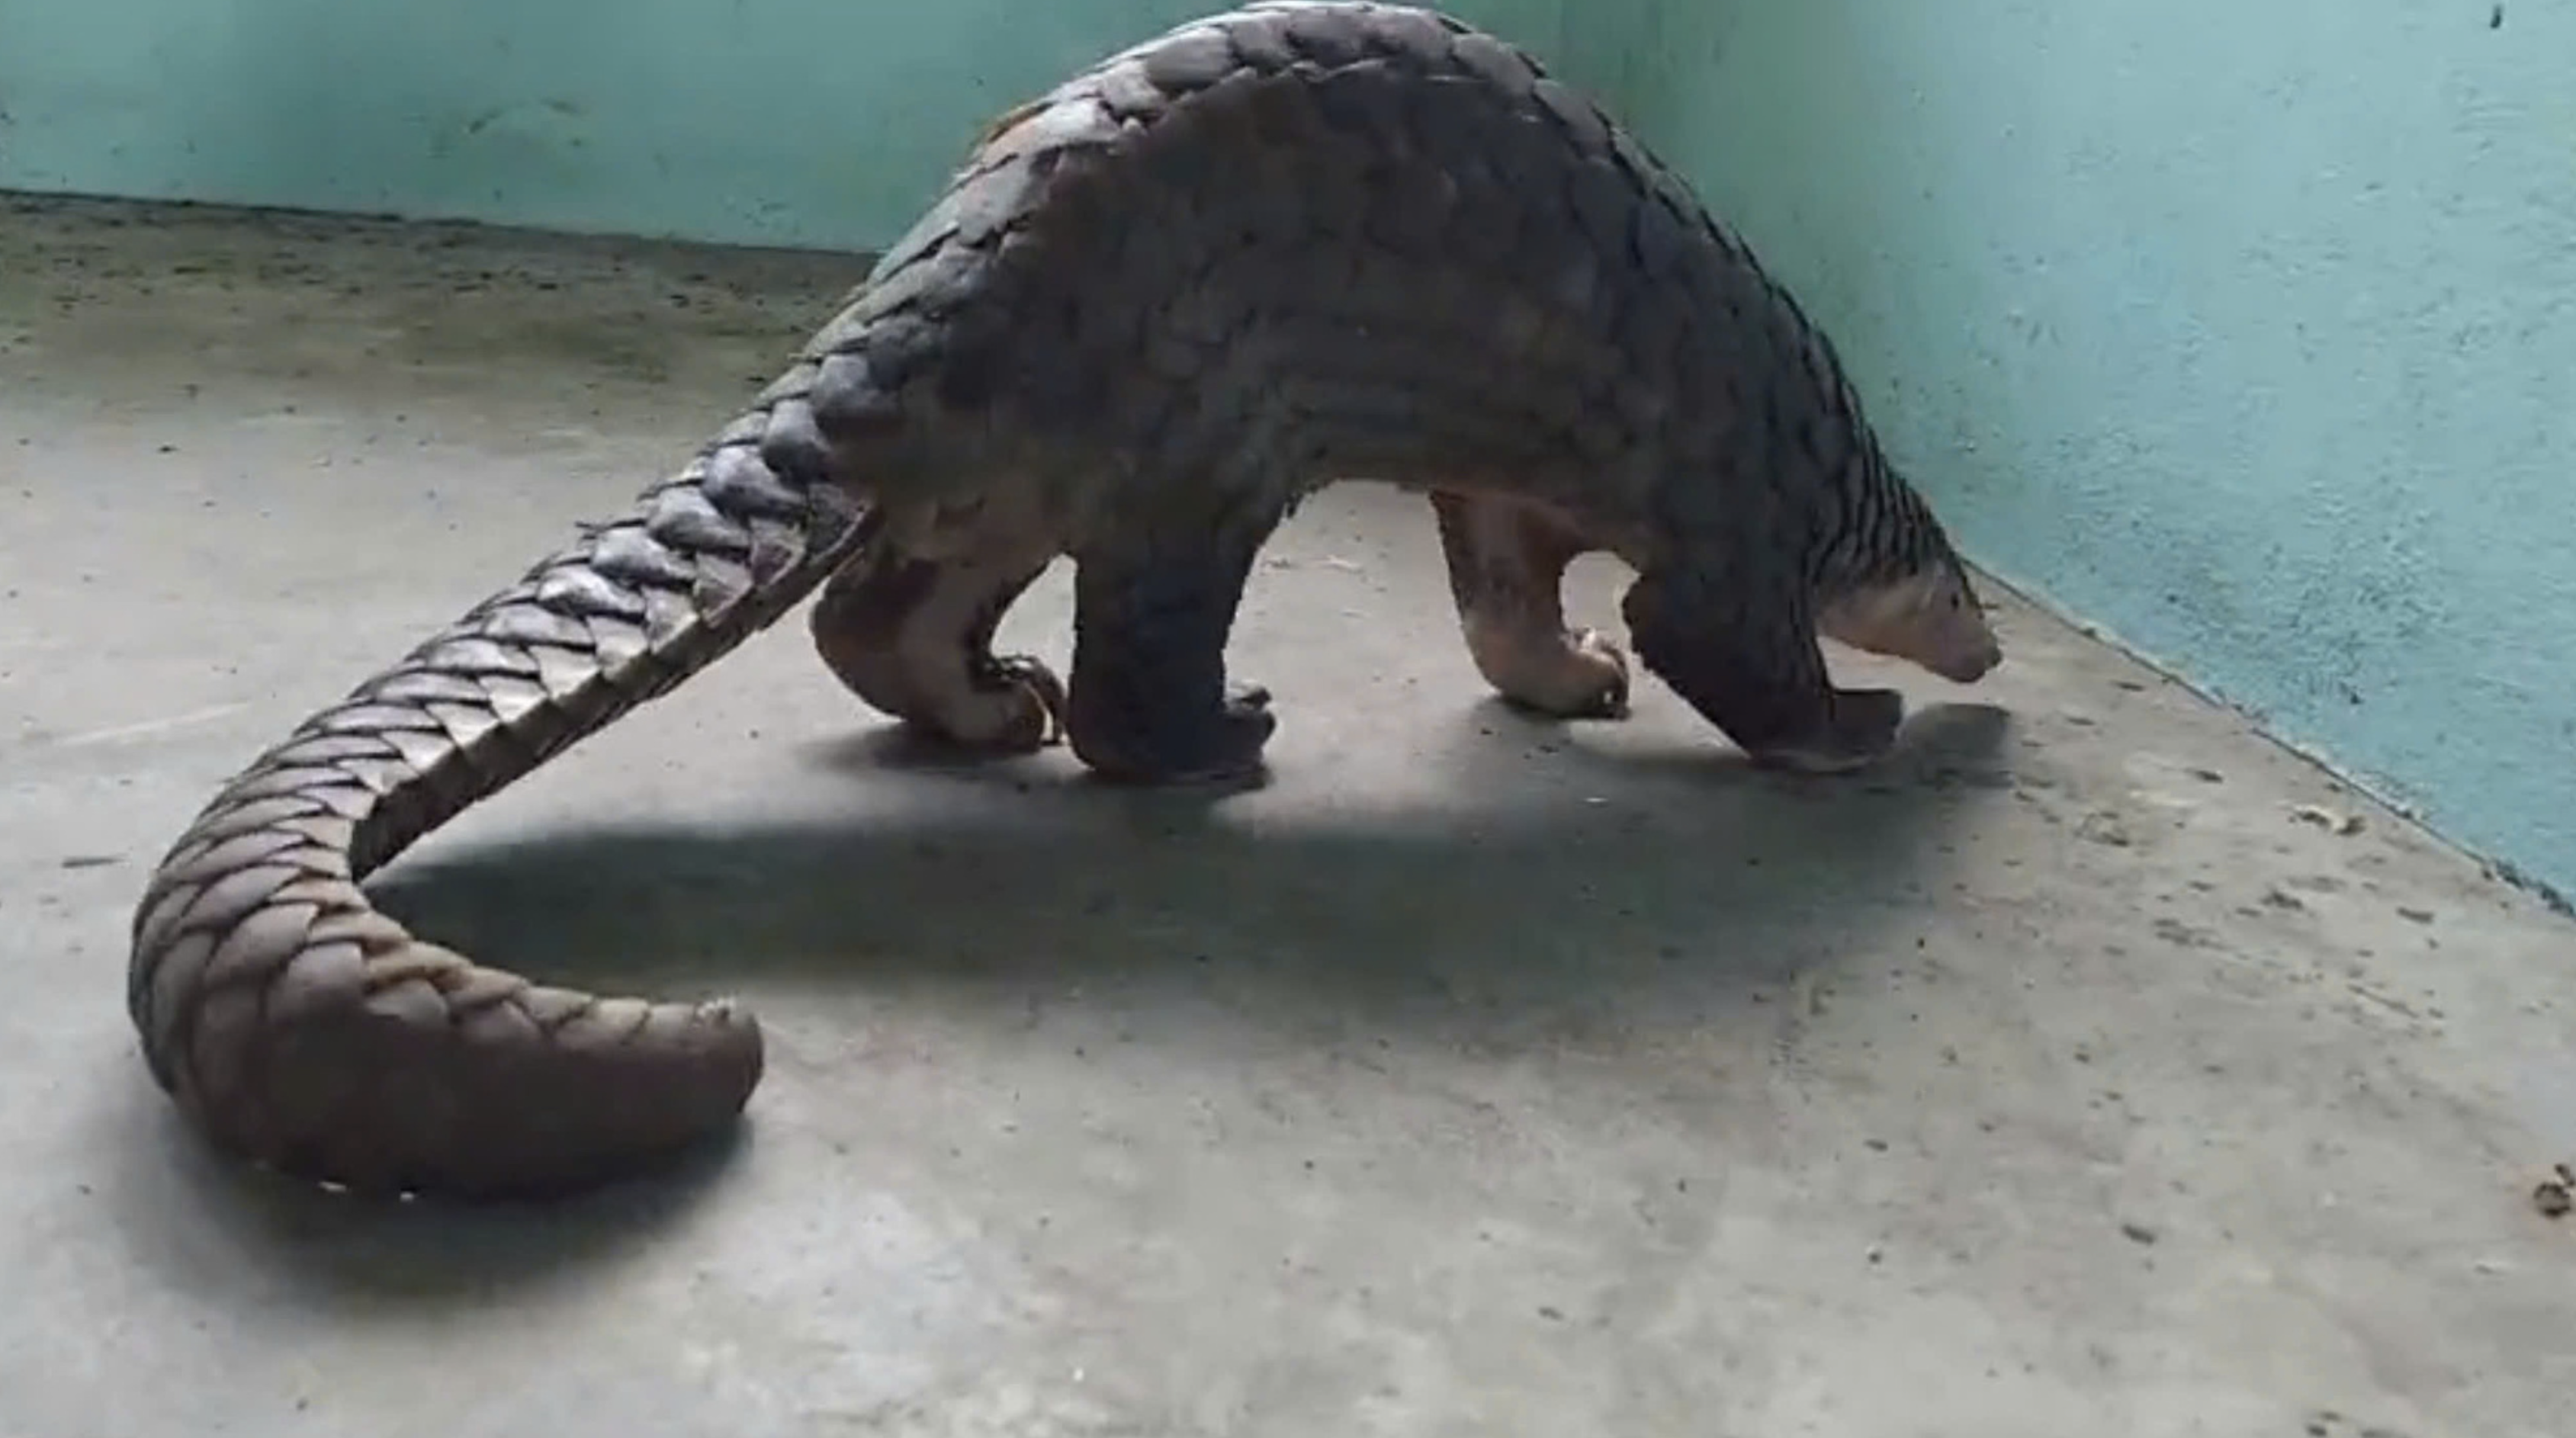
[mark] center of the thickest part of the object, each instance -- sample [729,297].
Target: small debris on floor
[2103,827]
[2328,819]
[2556,1194]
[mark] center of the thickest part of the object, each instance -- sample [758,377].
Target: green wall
[2247,332]
[826,123]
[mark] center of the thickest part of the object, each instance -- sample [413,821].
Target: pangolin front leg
[1507,563]
[1744,654]
[1150,702]
[914,638]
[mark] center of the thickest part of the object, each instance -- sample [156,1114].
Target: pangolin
[1156,306]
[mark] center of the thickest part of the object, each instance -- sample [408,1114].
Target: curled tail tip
[472,1086]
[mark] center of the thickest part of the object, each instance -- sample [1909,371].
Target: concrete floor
[2084,1071]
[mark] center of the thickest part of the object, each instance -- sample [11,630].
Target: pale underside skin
[1264,252]
[1931,619]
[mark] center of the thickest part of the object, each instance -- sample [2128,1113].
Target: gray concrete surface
[2083,1072]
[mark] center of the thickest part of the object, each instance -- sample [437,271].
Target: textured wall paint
[2246,331]
[796,122]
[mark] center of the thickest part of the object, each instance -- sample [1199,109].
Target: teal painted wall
[825,123]
[2247,332]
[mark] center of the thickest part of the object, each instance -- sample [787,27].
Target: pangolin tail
[303,1030]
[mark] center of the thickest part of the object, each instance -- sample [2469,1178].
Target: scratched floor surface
[2095,1068]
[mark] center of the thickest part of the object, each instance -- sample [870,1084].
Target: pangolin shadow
[192,1213]
[1547,875]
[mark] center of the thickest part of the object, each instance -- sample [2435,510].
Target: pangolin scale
[1262,252]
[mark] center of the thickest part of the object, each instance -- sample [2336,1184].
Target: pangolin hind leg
[913,637]
[1151,702]
[1507,563]
[1742,651]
